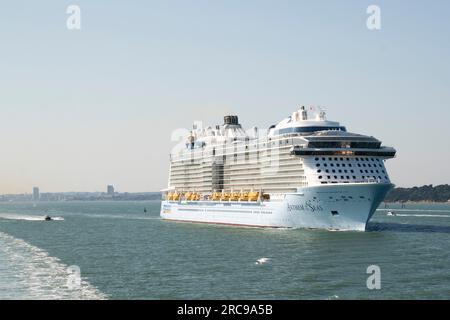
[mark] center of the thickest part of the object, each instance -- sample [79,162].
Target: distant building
[110,190]
[36,195]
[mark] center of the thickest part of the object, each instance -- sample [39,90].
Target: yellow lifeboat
[187,196]
[176,196]
[225,196]
[195,197]
[216,196]
[253,196]
[243,196]
[234,196]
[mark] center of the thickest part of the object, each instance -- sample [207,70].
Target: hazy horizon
[82,109]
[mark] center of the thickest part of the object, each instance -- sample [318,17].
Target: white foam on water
[262,260]
[414,210]
[116,216]
[28,272]
[13,216]
[423,215]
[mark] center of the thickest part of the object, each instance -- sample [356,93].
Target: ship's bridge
[340,139]
[342,143]
[303,122]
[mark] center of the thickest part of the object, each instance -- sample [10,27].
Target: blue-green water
[124,253]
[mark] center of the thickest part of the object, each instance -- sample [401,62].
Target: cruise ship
[303,172]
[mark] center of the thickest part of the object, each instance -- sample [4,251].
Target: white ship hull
[333,207]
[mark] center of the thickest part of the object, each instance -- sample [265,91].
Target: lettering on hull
[308,206]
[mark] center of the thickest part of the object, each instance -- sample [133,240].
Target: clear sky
[85,108]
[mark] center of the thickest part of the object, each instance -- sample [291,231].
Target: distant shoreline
[423,194]
[416,202]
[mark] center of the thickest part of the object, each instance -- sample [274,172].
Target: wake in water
[10,216]
[415,210]
[423,215]
[28,272]
[117,216]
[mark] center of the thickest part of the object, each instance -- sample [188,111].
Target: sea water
[123,250]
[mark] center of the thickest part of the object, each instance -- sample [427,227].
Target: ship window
[357,159]
[335,159]
[335,177]
[317,159]
[342,177]
[343,164]
[325,165]
[349,165]
[328,177]
[332,165]
[319,171]
[345,171]
[334,213]
[371,171]
[363,177]
[354,177]
[366,171]
[323,159]
[364,165]
[327,171]
[359,165]
[320,177]
[385,177]
[340,171]
[342,159]
[317,164]
[333,171]
[348,177]
[379,177]
[338,165]
[329,159]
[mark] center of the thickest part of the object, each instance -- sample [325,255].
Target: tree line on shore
[432,193]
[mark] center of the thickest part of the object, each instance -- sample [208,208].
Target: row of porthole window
[354,177]
[349,165]
[351,171]
[334,171]
[347,197]
[348,159]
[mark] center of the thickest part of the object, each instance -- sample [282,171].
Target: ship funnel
[231,120]
[304,113]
